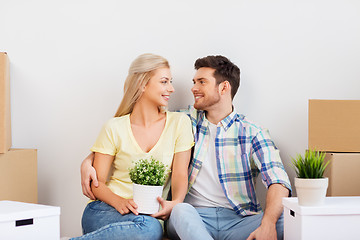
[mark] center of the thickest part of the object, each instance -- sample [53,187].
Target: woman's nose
[171,88]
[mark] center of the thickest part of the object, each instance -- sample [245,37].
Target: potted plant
[148,177]
[310,184]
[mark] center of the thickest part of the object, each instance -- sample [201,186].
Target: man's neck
[216,115]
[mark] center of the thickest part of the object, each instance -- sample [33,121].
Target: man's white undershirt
[207,190]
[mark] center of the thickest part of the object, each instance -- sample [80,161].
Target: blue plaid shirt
[243,150]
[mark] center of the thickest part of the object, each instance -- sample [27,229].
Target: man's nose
[194,88]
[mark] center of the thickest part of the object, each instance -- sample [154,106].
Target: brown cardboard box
[334,125]
[344,174]
[18,175]
[5,127]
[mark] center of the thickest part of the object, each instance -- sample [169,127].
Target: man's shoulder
[247,124]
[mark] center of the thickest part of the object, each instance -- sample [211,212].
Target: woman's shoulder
[117,121]
[177,116]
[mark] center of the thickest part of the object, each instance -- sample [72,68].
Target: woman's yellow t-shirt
[116,139]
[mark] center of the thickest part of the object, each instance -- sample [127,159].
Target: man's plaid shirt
[243,150]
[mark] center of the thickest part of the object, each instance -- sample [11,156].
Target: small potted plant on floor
[148,177]
[310,184]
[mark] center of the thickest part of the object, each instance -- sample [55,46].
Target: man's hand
[264,232]
[273,211]
[167,207]
[88,174]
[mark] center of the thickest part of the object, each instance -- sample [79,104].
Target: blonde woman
[140,129]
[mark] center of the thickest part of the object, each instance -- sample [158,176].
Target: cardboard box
[18,175]
[29,221]
[5,118]
[343,173]
[338,218]
[334,125]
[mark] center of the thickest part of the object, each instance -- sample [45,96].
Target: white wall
[69,60]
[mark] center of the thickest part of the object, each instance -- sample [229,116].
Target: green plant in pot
[310,184]
[148,177]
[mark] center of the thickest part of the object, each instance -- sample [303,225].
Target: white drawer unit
[338,218]
[20,220]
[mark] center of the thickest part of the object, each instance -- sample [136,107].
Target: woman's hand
[124,206]
[88,174]
[167,207]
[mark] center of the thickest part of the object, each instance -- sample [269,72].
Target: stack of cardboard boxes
[334,127]
[18,167]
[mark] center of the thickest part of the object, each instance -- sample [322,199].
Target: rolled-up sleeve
[267,159]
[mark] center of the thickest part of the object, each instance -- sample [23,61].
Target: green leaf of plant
[312,165]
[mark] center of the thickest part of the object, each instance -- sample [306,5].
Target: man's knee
[181,214]
[182,209]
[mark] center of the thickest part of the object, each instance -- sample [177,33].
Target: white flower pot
[311,191]
[146,198]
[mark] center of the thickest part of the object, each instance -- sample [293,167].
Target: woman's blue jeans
[102,221]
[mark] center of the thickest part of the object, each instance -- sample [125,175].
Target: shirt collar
[227,121]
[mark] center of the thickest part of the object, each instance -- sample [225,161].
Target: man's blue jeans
[187,222]
[102,221]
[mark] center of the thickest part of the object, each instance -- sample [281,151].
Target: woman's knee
[98,214]
[150,228]
[141,227]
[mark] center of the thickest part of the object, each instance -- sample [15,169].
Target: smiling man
[230,151]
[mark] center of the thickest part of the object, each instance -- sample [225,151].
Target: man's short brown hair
[225,70]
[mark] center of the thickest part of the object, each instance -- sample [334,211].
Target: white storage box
[29,221]
[338,218]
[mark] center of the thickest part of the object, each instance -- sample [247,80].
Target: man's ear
[225,88]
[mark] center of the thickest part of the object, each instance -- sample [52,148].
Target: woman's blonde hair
[140,72]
